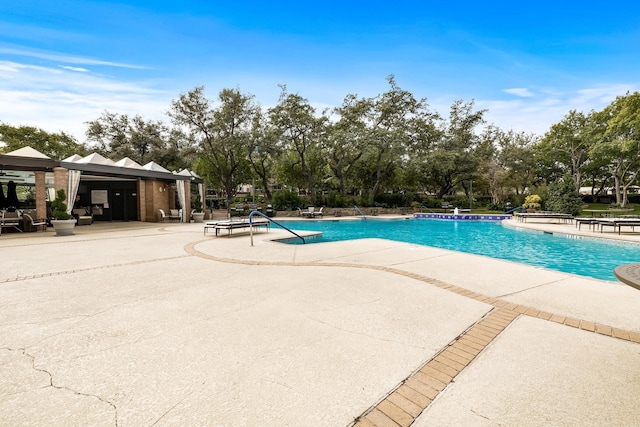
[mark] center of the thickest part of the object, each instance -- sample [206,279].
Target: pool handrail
[273,221]
[364,217]
[424,207]
[515,209]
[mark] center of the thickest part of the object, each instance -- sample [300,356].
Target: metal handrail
[273,221]
[424,207]
[361,213]
[515,209]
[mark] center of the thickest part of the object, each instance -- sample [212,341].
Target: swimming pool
[583,256]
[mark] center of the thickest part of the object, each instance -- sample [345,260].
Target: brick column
[187,200]
[142,200]
[41,195]
[60,180]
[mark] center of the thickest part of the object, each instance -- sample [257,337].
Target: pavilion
[114,191]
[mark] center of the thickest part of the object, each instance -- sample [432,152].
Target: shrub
[59,207]
[287,200]
[197,203]
[562,197]
[532,202]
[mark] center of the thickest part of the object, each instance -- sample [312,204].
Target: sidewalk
[154,324]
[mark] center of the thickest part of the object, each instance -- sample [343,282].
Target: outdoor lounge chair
[306,213]
[31,224]
[174,215]
[10,220]
[82,216]
[318,212]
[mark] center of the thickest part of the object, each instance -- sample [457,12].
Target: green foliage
[287,200]
[197,203]
[59,207]
[532,201]
[562,197]
[336,200]
[55,145]
[224,132]
[394,200]
[118,135]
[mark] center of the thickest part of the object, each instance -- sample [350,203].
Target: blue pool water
[583,256]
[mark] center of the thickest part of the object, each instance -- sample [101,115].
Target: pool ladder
[364,217]
[253,213]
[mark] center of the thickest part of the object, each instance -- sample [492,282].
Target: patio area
[137,323]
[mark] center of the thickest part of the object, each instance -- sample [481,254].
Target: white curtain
[181,198]
[73,183]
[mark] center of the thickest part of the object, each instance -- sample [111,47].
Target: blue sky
[64,62]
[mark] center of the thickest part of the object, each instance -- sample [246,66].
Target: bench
[591,222]
[235,225]
[564,218]
[618,223]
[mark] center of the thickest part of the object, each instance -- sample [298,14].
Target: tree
[264,152]
[346,142]
[301,135]
[393,121]
[517,155]
[54,145]
[118,136]
[565,147]
[618,141]
[563,197]
[453,158]
[223,134]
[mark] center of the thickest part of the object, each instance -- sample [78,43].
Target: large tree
[618,141]
[564,149]
[301,135]
[347,140]
[55,145]
[394,120]
[223,133]
[118,135]
[454,158]
[264,152]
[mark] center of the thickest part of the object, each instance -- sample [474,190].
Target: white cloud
[59,99]
[519,91]
[64,58]
[78,69]
[64,98]
[549,106]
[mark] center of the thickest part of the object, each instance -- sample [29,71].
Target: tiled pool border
[462,217]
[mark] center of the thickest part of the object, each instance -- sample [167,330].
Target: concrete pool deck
[133,324]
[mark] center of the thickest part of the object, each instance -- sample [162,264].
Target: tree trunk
[616,180]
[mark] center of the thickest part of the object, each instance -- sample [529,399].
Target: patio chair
[175,214]
[31,224]
[318,212]
[82,216]
[308,212]
[10,219]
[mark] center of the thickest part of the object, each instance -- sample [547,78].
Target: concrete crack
[174,406]
[362,333]
[533,287]
[24,352]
